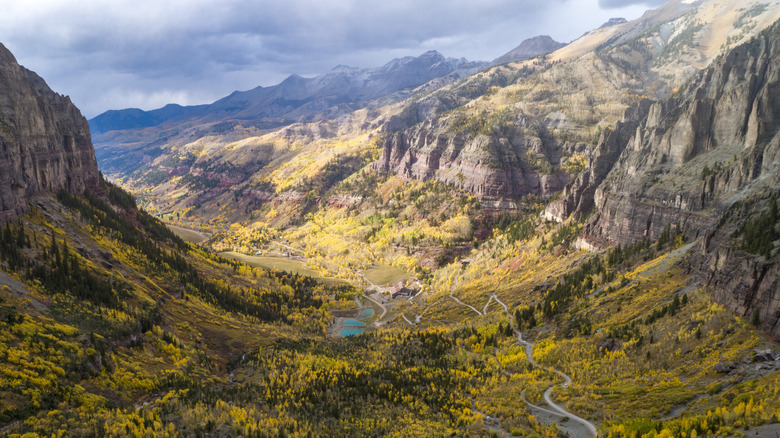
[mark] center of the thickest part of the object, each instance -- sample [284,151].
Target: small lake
[353,326]
[351,332]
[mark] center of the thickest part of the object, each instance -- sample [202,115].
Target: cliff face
[490,166]
[45,142]
[699,150]
[693,160]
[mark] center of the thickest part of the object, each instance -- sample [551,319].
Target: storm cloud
[615,4]
[146,53]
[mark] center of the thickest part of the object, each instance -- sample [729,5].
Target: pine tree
[20,237]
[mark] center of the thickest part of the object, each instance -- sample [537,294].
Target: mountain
[613,22]
[706,160]
[529,48]
[297,98]
[45,140]
[511,131]
[134,118]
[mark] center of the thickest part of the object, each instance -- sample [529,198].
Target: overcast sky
[113,54]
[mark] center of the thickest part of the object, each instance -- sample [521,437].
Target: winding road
[568,422]
[494,297]
[452,289]
[584,428]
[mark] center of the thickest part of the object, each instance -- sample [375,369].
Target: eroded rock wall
[691,160]
[45,143]
[490,166]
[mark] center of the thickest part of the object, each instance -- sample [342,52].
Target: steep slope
[45,140]
[529,48]
[112,326]
[517,129]
[706,160]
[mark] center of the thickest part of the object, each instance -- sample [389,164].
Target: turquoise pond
[351,332]
[354,327]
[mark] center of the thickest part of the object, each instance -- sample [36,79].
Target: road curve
[452,289]
[585,428]
[529,351]
[381,306]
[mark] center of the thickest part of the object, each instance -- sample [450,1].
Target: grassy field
[188,235]
[281,263]
[385,275]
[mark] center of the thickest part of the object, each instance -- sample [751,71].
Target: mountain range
[341,90]
[560,121]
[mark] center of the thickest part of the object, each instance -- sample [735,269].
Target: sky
[114,54]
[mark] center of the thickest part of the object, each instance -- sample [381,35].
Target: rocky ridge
[555,104]
[46,144]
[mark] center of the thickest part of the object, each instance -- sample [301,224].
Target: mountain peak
[529,48]
[613,22]
[431,54]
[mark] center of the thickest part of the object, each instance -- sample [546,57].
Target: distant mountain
[529,48]
[613,22]
[297,98]
[134,118]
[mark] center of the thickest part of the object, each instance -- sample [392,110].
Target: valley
[575,239]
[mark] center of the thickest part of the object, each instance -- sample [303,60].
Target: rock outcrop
[45,142]
[695,152]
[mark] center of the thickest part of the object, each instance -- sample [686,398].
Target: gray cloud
[614,4]
[147,53]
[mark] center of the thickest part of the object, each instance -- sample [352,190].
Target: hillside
[514,130]
[706,160]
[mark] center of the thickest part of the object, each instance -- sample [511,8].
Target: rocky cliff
[45,140]
[494,165]
[693,160]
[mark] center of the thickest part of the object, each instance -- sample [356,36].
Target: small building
[401,290]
